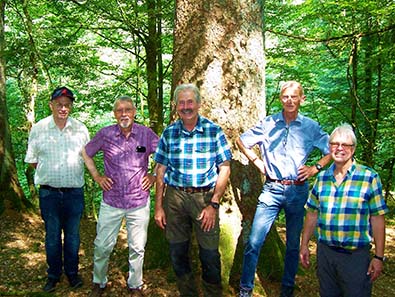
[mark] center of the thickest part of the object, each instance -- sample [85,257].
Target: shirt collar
[119,131]
[350,170]
[52,123]
[198,128]
[280,118]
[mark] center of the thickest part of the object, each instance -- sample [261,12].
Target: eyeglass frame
[336,145]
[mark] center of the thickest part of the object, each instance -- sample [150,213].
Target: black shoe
[50,286]
[75,281]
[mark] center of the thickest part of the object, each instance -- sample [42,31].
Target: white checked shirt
[57,153]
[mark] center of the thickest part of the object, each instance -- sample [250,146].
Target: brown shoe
[136,293]
[96,291]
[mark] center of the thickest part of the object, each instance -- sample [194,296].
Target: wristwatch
[318,166]
[215,205]
[382,259]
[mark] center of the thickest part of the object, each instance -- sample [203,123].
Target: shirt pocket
[205,155]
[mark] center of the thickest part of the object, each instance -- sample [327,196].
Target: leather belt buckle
[192,190]
[286,182]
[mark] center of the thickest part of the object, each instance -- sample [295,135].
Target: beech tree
[218,45]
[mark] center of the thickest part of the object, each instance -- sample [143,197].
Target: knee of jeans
[179,255]
[211,265]
[103,250]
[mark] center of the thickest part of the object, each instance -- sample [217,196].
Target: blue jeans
[273,198]
[62,211]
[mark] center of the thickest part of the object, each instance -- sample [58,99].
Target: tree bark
[151,47]
[11,194]
[218,45]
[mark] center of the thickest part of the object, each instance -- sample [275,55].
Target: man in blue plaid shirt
[193,167]
[347,205]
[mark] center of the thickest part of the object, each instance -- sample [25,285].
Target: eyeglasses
[59,106]
[338,144]
[124,110]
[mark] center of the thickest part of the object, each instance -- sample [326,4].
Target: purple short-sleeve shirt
[126,162]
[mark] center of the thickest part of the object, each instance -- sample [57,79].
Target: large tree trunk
[11,194]
[218,45]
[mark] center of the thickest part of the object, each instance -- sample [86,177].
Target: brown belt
[192,190]
[286,182]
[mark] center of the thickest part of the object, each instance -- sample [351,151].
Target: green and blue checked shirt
[344,210]
[192,157]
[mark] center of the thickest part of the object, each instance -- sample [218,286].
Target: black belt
[286,182]
[49,188]
[192,190]
[340,249]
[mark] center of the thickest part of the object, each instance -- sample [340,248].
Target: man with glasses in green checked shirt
[347,205]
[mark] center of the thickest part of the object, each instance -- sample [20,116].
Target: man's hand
[305,172]
[148,181]
[375,269]
[304,256]
[104,182]
[207,218]
[160,217]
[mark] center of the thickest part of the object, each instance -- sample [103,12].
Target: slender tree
[11,194]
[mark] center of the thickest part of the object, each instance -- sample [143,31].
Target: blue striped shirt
[285,148]
[345,209]
[192,158]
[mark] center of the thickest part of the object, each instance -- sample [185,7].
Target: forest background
[341,51]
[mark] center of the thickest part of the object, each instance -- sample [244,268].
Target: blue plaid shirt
[192,158]
[344,210]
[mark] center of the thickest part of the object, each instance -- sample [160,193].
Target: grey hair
[123,99]
[292,84]
[344,130]
[184,87]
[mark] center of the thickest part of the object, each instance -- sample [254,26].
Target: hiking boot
[75,281]
[136,292]
[50,286]
[96,291]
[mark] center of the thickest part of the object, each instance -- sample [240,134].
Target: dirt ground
[23,267]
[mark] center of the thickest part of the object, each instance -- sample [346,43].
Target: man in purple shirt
[126,147]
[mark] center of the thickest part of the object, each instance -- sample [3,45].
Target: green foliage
[98,49]
[342,53]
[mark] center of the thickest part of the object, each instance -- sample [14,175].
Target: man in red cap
[54,150]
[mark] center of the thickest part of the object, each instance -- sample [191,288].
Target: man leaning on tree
[285,140]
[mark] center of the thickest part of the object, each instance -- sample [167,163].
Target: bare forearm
[378,228]
[309,227]
[325,160]
[222,181]
[160,184]
[249,153]
[90,164]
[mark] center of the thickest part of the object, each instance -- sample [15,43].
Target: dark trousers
[343,273]
[62,212]
[182,210]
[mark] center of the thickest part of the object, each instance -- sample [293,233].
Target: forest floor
[23,266]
